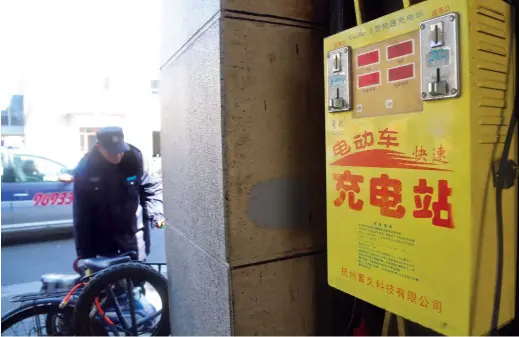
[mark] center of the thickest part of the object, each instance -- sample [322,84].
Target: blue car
[36,195]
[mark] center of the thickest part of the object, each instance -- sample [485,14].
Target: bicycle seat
[56,282]
[98,263]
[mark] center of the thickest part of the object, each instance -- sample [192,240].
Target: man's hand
[161,224]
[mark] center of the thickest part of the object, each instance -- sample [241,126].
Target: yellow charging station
[417,105]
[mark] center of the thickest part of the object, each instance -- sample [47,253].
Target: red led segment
[368,58]
[368,80]
[400,49]
[400,73]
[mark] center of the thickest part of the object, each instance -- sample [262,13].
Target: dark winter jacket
[115,205]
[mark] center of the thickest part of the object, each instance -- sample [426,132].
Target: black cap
[112,139]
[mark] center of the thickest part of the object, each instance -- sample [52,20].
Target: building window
[14,114]
[5,117]
[87,139]
[16,109]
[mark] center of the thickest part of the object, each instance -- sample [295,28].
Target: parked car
[36,195]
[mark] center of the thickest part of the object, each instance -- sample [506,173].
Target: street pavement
[23,264]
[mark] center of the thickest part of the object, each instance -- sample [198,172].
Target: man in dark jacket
[115,202]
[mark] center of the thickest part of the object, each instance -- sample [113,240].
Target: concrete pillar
[243,165]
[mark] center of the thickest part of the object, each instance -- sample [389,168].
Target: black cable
[336,16]
[353,308]
[500,185]
[340,12]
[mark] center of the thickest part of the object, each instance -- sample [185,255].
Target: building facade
[84,77]
[13,121]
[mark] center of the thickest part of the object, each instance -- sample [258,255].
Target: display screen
[368,58]
[438,58]
[368,80]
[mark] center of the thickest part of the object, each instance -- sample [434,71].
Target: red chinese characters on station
[410,296]
[423,200]
[437,305]
[401,293]
[348,184]
[363,140]
[386,193]
[439,155]
[420,154]
[441,10]
[424,302]
[440,210]
[388,138]
[341,148]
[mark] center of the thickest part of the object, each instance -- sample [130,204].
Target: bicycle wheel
[99,301]
[54,321]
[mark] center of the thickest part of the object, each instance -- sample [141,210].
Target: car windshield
[36,169]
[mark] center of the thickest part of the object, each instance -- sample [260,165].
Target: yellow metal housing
[410,195]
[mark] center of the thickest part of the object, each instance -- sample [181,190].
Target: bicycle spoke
[35,326]
[117,308]
[30,328]
[149,318]
[129,288]
[38,325]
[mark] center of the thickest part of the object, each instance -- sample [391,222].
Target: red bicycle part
[101,311]
[75,265]
[69,295]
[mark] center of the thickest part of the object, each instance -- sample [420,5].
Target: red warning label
[368,58]
[400,73]
[368,80]
[400,49]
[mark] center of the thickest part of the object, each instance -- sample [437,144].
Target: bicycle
[74,303]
